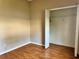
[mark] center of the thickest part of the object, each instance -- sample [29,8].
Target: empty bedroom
[39,29]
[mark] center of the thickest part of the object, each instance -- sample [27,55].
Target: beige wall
[37,12]
[62,27]
[14,23]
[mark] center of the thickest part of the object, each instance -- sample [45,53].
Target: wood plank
[32,51]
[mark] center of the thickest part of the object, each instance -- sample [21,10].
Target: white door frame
[47,14]
[47,28]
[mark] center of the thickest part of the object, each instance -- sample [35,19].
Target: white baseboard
[19,47]
[36,43]
[14,48]
[63,44]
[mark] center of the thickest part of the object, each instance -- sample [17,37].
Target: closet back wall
[14,24]
[62,26]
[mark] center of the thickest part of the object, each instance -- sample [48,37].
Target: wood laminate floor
[32,51]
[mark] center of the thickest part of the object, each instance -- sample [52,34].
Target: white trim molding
[63,7]
[77,24]
[20,47]
[36,43]
[14,48]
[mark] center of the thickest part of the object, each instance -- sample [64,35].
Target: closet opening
[61,27]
